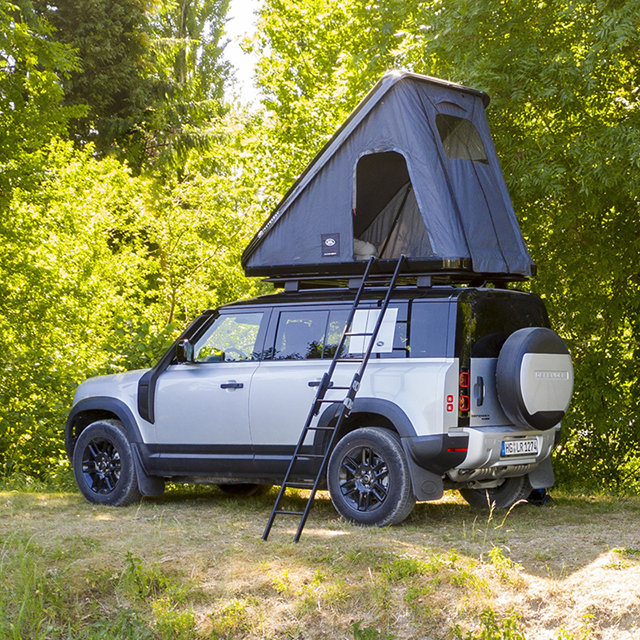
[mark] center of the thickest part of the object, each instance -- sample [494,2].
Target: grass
[192,565]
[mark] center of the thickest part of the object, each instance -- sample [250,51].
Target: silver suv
[465,389]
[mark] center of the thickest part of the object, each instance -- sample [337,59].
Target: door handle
[232,384]
[479,389]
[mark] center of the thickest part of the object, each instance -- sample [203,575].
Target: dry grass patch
[192,565]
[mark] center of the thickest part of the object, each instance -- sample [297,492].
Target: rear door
[491,319]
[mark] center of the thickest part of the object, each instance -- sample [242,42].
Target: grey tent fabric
[413,170]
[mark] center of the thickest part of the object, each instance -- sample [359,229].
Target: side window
[300,335]
[429,329]
[391,341]
[231,338]
[460,139]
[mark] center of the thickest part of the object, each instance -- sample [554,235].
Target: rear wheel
[368,478]
[512,490]
[103,465]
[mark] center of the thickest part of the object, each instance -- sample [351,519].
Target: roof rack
[419,279]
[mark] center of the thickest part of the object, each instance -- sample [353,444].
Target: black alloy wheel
[364,479]
[101,466]
[368,478]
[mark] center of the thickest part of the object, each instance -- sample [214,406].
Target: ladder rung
[329,400]
[320,428]
[339,389]
[350,333]
[289,513]
[350,360]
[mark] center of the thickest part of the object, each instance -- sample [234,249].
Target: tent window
[460,138]
[387,221]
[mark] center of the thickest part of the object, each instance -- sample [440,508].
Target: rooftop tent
[412,171]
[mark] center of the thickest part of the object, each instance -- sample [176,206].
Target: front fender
[97,406]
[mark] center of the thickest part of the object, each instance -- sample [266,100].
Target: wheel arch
[99,408]
[370,412]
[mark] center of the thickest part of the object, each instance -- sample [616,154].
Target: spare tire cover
[534,378]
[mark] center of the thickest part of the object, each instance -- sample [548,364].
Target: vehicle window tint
[487,322]
[231,338]
[460,139]
[429,329]
[300,335]
[335,327]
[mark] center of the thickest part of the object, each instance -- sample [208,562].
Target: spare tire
[534,378]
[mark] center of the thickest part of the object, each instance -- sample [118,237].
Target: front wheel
[504,496]
[103,465]
[368,478]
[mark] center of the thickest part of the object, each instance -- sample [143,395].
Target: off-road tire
[103,465]
[368,478]
[511,491]
[245,489]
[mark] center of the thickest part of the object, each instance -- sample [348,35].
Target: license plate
[520,447]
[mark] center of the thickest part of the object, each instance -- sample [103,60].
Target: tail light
[464,403]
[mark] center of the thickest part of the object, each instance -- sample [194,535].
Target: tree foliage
[111,77]
[99,266]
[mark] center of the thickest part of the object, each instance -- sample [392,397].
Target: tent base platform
[420,272]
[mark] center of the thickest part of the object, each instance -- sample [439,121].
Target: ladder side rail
[347,403]
[343,413]
[296,454]
[345,408]
[357,378]
[350,317]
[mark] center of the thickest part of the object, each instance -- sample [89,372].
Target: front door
[202,408]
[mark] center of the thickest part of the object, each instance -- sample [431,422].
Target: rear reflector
[456,450]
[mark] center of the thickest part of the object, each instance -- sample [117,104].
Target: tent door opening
[387,222]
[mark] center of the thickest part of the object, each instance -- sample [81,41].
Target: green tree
[189,76]
[111,41]
[31,109]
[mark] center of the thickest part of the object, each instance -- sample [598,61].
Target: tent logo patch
[330,244]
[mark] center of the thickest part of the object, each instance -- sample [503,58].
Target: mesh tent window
[386,214]
[460,139]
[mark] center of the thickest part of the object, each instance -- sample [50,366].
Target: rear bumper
[485,447]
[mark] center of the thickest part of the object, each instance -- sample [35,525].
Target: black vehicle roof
[343,294]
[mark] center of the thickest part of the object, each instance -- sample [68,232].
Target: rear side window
[300,335]
[429,329]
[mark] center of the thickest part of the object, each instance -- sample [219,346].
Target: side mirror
[184,351]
